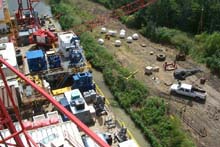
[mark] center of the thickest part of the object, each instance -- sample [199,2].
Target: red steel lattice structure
[115,14]
[5,119]
[20,17]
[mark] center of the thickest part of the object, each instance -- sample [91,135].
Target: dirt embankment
[201,120]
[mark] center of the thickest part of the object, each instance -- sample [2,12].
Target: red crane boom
[115,14]
[5,116]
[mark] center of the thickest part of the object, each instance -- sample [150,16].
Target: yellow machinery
[131,74]
[8,21]
[87,67]
[33,78]
[60,91]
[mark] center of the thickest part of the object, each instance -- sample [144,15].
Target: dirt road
[201,120]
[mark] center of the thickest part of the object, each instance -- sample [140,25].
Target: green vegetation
[148,113]
[187,15]
[169,36]
[210,48]
[192,16]
[71,15]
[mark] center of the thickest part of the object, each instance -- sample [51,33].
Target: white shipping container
[64,42]
[8,53]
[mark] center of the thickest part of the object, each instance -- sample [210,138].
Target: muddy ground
[201,120]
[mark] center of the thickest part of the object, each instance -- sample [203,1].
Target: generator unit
[76,58]
[83,81]
[65,103]
[53,59]
[36,60]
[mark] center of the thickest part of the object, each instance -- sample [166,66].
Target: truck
[188,90]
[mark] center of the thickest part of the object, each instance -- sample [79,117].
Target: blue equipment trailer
[36,60]
[53,60]
[83,81]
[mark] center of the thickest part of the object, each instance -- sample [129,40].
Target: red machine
[170,66]
[27,16]
[44,38]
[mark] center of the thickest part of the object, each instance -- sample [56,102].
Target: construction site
[50,95]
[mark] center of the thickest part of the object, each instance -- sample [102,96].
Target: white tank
[135,36]
[103,30]
[122,30]
[117,43]
[129,39]
[122,35]
[101,41]
[112,32]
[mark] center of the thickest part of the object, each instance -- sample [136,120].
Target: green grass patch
[71,14]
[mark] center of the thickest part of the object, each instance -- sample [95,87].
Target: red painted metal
[135,6]
[30,139]
[30,21]
[115,14]
[10,124]
[11,136]
[46,35]
[1,6]
[73,118]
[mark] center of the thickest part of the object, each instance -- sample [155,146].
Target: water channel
[44,9]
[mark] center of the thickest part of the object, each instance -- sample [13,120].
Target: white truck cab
[188,90]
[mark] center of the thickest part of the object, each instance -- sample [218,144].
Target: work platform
[56,134]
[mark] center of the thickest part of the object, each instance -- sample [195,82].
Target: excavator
[182,74]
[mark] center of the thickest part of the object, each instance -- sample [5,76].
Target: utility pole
[200,27]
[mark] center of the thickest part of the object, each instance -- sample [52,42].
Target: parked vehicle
[188,90]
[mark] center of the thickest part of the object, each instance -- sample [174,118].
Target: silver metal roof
[54,134]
